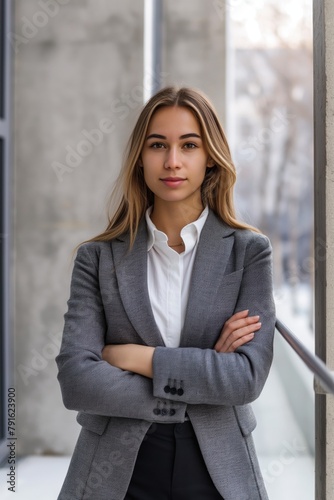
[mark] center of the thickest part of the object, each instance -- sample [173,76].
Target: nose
[173,159]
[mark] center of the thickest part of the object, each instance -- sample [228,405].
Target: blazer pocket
[94,423]
[245,418]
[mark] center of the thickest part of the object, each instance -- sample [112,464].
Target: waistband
[182,429]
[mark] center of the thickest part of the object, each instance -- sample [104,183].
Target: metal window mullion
[5,134]
[3,129]
[152,47]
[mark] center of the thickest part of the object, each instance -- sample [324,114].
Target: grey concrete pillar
[78,89]
[324,236]
[194,47]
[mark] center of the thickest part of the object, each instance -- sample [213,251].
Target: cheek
[201,173]
[151,165]
[149,176]
[149,162]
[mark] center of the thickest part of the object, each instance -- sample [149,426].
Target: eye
[157,145]
[190,145]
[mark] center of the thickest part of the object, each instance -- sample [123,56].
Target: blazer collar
[212,255]
[131,273]
[214,247]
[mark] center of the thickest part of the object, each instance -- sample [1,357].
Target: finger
[235,326]
[243,340]
[239,323]
[238,315]
[224,344]
[237,343]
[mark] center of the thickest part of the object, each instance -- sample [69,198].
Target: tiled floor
[286,463]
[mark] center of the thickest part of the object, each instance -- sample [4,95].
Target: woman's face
[174,157]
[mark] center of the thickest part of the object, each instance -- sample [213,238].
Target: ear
[210,163]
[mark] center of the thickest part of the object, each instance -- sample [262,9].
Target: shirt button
[180,391]
[156,411]
[172,412]
[164,412]
[167,388]
[173,390]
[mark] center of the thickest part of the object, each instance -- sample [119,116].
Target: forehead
[177,119]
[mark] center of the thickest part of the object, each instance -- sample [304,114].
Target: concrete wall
[75,63]
[194,47]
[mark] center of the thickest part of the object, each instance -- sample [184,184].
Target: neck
[172,217]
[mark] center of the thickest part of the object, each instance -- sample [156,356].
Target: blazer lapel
[131,272]
[212,255]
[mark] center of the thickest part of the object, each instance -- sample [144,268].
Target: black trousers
[170,466]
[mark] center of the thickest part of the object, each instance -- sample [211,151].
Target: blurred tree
[273,119]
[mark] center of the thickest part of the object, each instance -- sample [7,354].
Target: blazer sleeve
[203,376]
[87,382]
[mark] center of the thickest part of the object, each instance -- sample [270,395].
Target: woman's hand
[237,331]
[131,357]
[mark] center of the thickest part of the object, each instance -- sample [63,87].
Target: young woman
[170,322]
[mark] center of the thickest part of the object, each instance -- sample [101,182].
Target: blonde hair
[217,187]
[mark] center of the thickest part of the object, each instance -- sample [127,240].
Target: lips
[173,181]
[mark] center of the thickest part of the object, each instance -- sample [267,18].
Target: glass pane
[271,123]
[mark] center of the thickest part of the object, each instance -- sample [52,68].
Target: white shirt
[169,275]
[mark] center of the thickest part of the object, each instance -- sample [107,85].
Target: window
[272,127]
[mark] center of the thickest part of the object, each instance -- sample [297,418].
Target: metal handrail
[313,362]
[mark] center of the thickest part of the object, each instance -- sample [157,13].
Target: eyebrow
[184,136]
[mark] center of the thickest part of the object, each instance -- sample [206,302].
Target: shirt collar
[191,231]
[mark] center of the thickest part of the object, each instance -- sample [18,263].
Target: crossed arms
[128,380]
[238,330]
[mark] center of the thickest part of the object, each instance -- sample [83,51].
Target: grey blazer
[109,304]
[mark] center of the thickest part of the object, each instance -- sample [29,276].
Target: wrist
[142,360]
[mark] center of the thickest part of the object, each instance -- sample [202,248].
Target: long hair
[136,197]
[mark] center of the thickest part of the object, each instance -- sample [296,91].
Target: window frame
[6,346]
